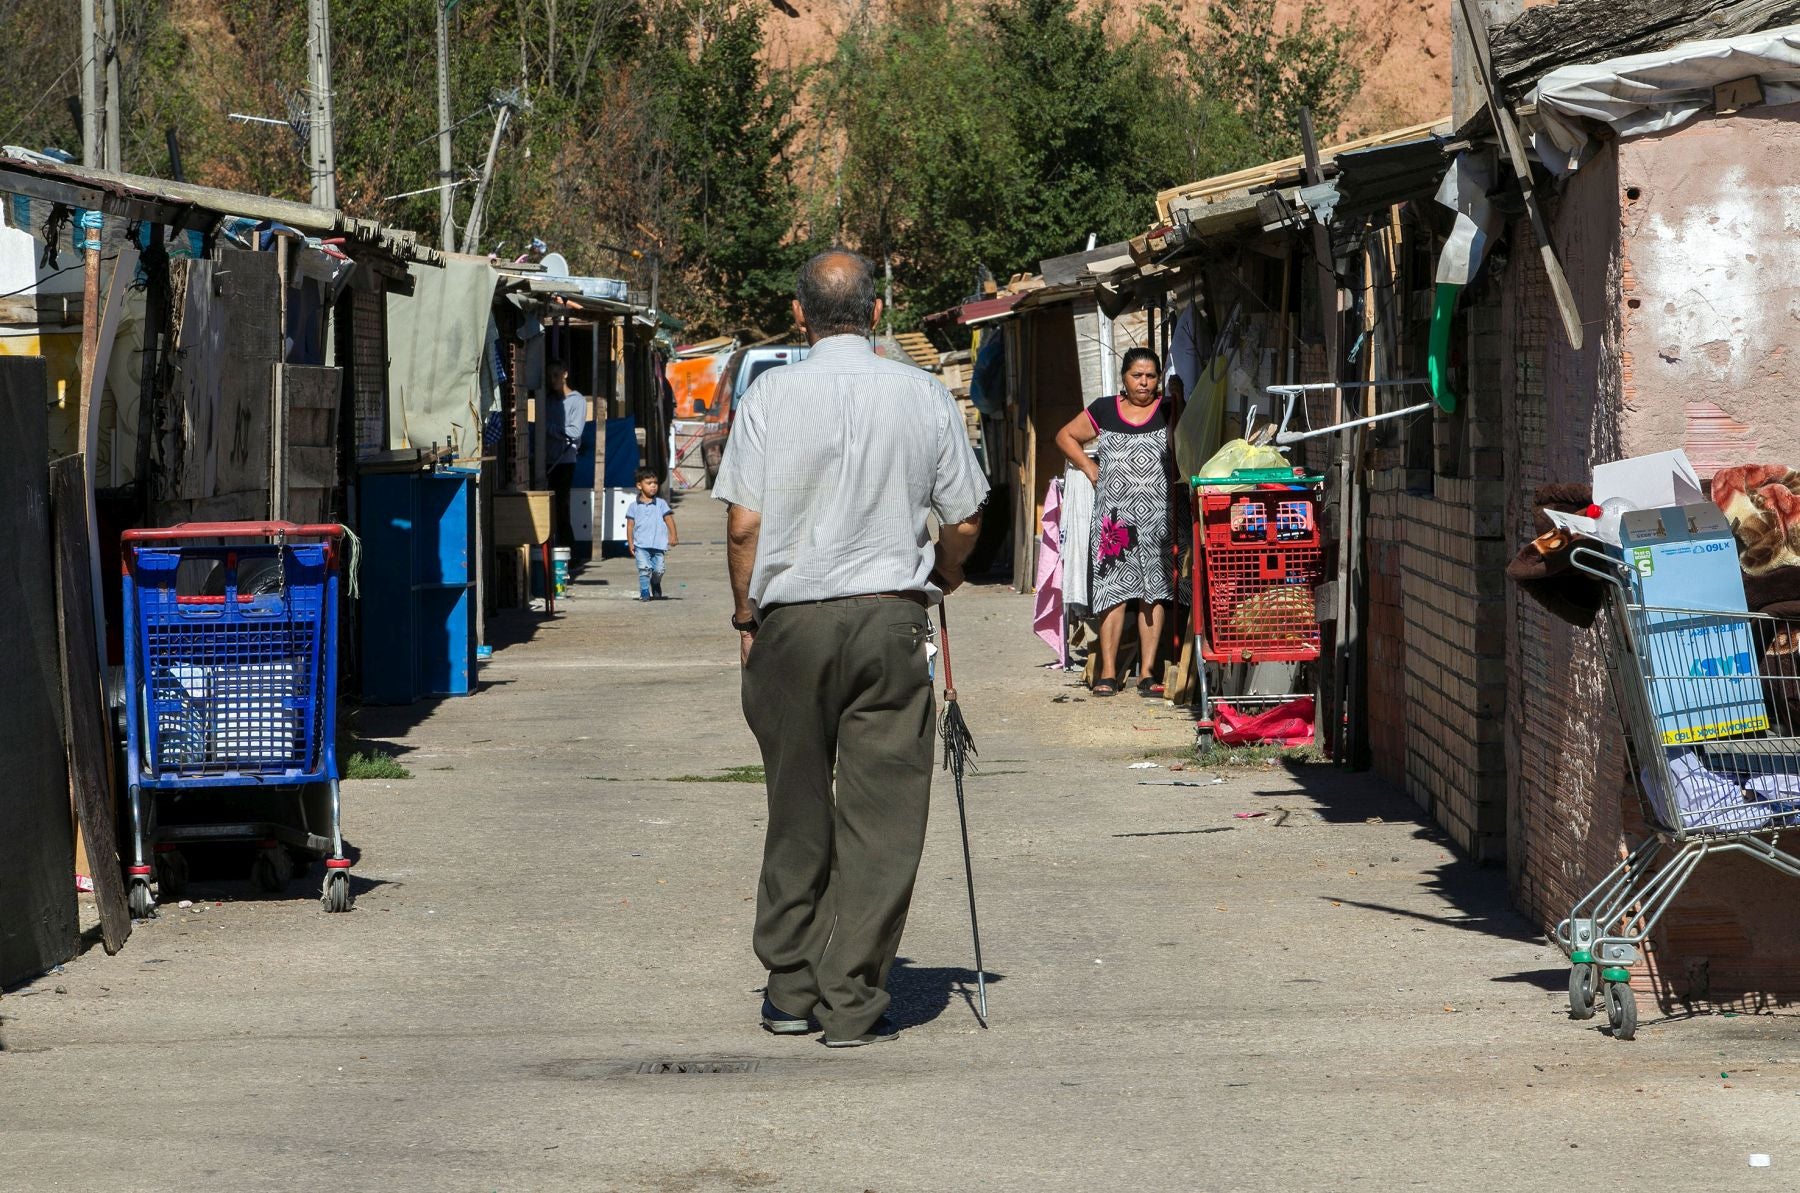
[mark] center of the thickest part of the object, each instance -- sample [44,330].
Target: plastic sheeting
[1647,93]
[438,377]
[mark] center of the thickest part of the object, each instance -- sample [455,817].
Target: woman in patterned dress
[1133,559]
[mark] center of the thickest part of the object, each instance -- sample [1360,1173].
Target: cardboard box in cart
[1704,676]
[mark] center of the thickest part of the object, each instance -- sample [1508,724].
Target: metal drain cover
[659,1068]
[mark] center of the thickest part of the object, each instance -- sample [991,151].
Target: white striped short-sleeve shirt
[845,455]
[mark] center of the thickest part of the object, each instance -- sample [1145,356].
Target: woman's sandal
[1149,688]
[1105,687]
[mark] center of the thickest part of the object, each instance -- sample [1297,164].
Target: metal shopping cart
[231,701]
[1710,726]
[1258,556]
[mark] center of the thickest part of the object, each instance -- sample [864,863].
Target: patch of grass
[1218,756]
[733,774]
[373,764]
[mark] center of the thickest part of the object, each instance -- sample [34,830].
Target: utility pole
[114,159]
[90,87]
[446,195]
[321,157]
[505,103]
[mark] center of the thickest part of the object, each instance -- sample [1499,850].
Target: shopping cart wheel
[272,870]
[1581,991]
[337,891]
[1621,1010]
[139,901]
[171,875]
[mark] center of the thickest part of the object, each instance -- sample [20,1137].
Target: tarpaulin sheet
[440,388]
[38,927]
[1647,93]
[1289,724]
[621,453]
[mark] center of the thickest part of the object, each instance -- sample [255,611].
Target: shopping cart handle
[233,530]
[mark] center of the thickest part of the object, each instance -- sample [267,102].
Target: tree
[730,125]
[1268,73]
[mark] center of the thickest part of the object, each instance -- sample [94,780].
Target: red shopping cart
[1258,556]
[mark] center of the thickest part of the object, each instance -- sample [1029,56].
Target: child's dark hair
[1139,354]
[646,474]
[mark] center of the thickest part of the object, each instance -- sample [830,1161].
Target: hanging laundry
[1047,612]
[1077,516]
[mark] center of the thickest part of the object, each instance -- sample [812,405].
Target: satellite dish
[555,265]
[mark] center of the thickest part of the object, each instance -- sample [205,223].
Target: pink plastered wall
[1710,250]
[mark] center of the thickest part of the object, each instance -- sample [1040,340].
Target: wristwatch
[747,626]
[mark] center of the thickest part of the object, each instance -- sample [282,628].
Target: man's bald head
[836,294]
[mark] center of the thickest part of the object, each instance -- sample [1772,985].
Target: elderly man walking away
[834,466]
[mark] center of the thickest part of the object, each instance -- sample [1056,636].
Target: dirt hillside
[1404,48]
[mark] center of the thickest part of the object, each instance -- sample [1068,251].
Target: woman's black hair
[1137,354]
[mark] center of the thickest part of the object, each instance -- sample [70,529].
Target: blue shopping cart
[231,708]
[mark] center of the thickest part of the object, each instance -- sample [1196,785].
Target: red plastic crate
[1261,559]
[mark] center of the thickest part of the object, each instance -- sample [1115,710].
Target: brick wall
[1385,657]
[1454,621]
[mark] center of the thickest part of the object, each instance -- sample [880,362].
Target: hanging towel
[1047,620]
[1077,514]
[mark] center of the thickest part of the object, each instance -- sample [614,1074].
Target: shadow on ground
[1476,892]
[921,993]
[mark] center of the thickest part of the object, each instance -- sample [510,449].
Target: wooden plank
[93,385]
[86,729]
[1583,31]
[1269,172]
[307,442]
[1515,152]
[249,297]
[311,468]
[1326,708]
[42,310]
[521,519]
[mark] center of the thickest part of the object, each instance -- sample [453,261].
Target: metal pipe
[1285,438]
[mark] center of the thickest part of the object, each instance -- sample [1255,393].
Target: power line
[32,111]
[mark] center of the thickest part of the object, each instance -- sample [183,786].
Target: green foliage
[946,138]
[1270,72]
[373,764]
[999,137]
[1216,757]
[734,774]
[730,124]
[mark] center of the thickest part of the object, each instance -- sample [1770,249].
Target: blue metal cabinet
[418,584]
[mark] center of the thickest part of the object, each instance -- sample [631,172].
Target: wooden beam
[1271,172]
[86,730]
[1515,152]
[42,310]
[1583,31]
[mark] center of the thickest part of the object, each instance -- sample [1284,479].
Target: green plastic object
[1437,361]
[1614,973]
[1258,476]
[1581,957]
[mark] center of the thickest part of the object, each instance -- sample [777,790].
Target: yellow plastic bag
[1241,453]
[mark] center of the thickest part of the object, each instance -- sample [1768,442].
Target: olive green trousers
[839,696]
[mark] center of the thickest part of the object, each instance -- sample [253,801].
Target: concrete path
[1323,997]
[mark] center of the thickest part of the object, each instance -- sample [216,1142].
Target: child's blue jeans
[650,572]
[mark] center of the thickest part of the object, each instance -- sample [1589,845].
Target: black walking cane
[959,743]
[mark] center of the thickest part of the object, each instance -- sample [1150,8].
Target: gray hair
[836,289]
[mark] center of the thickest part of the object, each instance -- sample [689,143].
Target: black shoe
[783,1024]
[881,1030]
